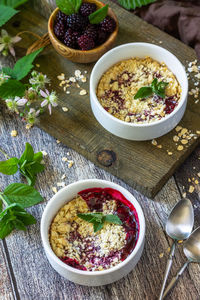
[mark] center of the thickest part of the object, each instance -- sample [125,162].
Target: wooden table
[24,270]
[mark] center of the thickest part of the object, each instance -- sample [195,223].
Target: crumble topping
[118,86]
[74,238]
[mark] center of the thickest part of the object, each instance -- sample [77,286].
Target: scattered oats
[198,131]
[178,128]
[83,92]
[60,184]
[189,180]
[28,126]
[154,142]
[64,89]
[72,79]
[160,42]
[64,108]
[67,92]
[193,178]
[44,153]
[191,189]
[180,242]
[184,195]
[65,159]
[183,131]
[37,65]
[198,174]
[78,86]
[57,141]
[63,176]
[77,73]
[196,181]
[168,249]
[84,79]
[14,133]
[159,146]
[161,255]
[169,153]
[184,142]
[175,138]
[70,164]
[85,72]
[54,189]
[61,76]
[180,148]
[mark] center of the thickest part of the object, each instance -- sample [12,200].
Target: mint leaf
[6,13]
[24,65]
[22,194]
[97,226]
[13,3]
[112,219]
[9,167]
[69,7]
[143,92]
[98,16]
[14,216]
[28,154]
[12,88]
[132,4]
[38,156]
[91,217]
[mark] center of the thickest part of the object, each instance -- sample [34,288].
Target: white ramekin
[131,131]
[88,278]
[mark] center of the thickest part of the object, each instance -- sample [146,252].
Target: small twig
[4,153]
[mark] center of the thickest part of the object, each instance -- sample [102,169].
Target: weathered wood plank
[35,278]
[78,128]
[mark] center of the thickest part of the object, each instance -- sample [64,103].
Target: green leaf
[132,4]
[38,156]
[9,167]
[143,92]
[28,154]
[112,219]
[159,87]
[91,217]
[22,194]
[12,88]
[6,13]
[5,229]
[98,16]
[97,226]
[13,3]
[1,205]
[8,71]
[24,65]
[69,6]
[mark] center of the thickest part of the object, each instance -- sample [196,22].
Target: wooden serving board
[140,164]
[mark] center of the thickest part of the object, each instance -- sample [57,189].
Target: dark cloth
[178,18]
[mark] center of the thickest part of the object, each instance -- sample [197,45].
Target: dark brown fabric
[178,18]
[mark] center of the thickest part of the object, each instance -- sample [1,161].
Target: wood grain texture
[79,129]
[35,278]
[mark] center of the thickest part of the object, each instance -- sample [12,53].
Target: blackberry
[87,8]
[108,25]
[59,30]
[86,42]
[70,39]
[92,31]
[101,37]
[61,17]
[77,22]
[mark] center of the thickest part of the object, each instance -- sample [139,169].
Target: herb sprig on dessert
[80,25]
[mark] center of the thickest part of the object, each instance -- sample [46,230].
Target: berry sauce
[95,198]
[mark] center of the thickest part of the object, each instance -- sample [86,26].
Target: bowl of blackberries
[82,31]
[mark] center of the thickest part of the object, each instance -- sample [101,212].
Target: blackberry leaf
[132,4]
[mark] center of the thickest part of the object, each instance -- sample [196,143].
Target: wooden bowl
[81,56]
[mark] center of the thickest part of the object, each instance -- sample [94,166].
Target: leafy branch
[7,9]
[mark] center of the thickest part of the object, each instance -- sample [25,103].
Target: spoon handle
[167,270]
[174,279]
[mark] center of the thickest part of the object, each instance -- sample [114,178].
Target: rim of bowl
[107,114]
[112,36]
[141,237]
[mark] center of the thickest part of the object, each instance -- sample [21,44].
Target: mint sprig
[98,16]
[29,164]
[98,219]
[69,7]
[132,4]
[156,87]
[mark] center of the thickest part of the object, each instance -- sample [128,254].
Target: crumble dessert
[120,83]
[74,241]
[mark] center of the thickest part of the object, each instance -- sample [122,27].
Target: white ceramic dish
[88,278]
[131,131]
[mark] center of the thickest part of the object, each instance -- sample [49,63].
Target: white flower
[32,115]
[50,99]
[3,78]
[6,43]
[38,80]
[13,104]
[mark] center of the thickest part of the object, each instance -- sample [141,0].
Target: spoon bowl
[192,246]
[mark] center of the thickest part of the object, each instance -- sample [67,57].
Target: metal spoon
[179,226]
[192,252]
